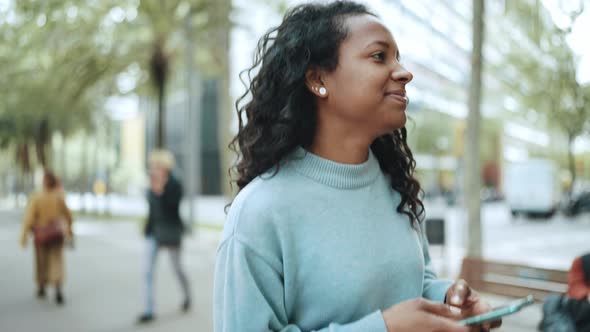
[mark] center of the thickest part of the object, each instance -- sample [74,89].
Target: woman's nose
[400,74]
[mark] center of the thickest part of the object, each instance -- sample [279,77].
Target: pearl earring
[323,91]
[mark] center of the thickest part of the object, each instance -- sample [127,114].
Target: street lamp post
[192,125]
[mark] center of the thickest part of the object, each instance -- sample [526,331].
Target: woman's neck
[340,145]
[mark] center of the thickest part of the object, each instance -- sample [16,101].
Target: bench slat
[513,279]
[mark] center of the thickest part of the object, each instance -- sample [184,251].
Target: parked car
[490,195]
[578,204]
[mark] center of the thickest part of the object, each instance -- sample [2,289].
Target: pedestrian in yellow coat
[44,208]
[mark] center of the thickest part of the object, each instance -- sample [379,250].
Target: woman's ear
[314,82]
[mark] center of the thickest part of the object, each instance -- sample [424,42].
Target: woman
[164,228]
[46,209]
[325,233]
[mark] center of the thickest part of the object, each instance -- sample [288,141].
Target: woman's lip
[397,93]
[398,97]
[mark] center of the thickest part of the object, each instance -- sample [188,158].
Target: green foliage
[543,71]
[543,67]
[60,60]
[427,128]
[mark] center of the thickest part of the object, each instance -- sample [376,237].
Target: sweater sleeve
[249,295]
[433,288]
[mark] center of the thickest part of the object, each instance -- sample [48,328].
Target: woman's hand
[461,296]
[422,315]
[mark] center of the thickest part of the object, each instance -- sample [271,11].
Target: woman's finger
[495,324]
[439,309]
[447,325]
[459,293]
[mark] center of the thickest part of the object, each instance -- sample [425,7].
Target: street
[549,243]
[103,289]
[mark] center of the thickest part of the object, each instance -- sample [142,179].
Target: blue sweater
[318,247]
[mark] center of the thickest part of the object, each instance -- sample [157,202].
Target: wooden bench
[513,280]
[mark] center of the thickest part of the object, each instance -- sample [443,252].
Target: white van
[531,187]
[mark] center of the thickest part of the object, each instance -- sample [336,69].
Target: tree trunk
[472,170]
[84,174]
[63,156]
[41,150]
[109,144]
[192,126]
[226,109]
[42,138]
[159,74]
[24,168]
[571,161]
[161,133]
[24,158]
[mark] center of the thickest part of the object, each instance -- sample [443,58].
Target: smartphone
[499,312]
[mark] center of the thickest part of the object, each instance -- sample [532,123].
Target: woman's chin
[398,121]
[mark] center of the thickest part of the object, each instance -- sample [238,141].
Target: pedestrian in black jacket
[163,228]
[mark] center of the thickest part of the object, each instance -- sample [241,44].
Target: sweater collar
[333,174]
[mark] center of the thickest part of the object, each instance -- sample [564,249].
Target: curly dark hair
[281,114]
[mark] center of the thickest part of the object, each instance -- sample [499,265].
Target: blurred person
[48,218]
[579,278]
[326,231]
[164,228]
[570,312]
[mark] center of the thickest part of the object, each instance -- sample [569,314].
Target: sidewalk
[103,287]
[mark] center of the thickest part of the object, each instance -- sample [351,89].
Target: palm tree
[159,73]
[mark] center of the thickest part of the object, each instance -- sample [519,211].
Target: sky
[578,41]
[578,38]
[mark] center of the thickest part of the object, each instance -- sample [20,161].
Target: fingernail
[456,299]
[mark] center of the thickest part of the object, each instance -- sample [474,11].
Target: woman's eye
[379,56]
